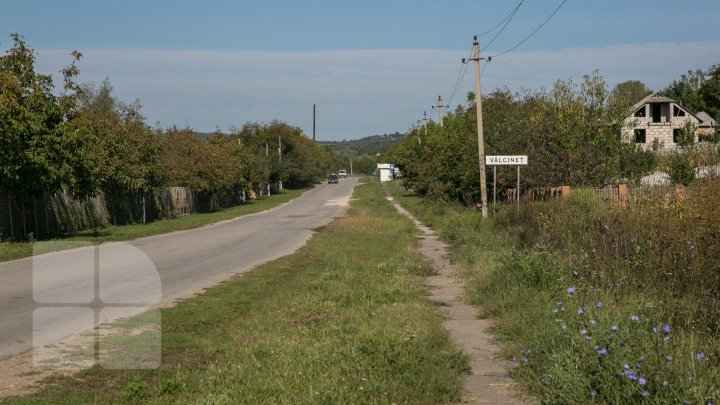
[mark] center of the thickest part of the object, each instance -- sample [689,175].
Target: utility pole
[267,155]
[279,159]
[440,107]
[481,143]
[425,120]
[313,122]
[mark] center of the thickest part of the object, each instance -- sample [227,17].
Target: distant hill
[370,144]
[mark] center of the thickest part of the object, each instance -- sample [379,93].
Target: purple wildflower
[635,318]
[575,274]
[571,291]
[603,352]
[668,358]
[583,332]
[645,393]
[666,328]
[642,381]
[599,304]
[665,384]
[524,360]
[593,393]
[642,358]
[614,328]
[700,356]
[581,310]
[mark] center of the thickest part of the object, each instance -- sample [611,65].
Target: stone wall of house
[662,131]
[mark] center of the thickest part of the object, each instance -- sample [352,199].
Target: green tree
[35,154]
[709,93]
[686,90]
[624,95]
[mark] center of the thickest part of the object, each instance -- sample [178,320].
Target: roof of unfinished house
[706,120]
[653,98]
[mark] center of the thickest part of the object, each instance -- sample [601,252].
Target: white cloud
[358,92]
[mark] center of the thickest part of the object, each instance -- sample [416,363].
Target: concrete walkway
[488,382]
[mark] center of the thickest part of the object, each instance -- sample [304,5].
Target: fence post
[565,191]
[12,226]
[680,192]
[47,222]
[24,214]
[623,194]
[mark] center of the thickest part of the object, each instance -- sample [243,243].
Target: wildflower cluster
[630,347]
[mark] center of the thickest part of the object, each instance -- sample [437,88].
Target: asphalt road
[121,276]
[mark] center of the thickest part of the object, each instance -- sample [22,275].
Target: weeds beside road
[17,250]
[597,302]
[344,320]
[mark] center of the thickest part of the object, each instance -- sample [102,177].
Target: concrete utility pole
[481,143]
[440,107]
[425,120]
[280,187]
[313,122]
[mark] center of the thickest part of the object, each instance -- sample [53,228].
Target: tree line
[88,142]
[570,132]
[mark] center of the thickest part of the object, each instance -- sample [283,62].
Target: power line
[460,79]
[509,18]
[498,24]
[534,32]
[463,69]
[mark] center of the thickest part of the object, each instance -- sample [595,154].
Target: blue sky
[370,66]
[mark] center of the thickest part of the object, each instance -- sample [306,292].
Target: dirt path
[489,382]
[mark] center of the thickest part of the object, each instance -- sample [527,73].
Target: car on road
[333,178]
[342,173]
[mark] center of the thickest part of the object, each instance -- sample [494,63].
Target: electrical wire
[534,32]
[509,18]
[460,79]
[483,69]
[498,24]
[463,69]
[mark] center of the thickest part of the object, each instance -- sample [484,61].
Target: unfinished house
[657,118]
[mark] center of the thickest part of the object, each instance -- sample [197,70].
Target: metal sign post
[506,161]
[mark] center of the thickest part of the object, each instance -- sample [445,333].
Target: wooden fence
[49,215]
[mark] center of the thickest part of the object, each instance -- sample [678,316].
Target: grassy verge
[344,320]
[17,250]
[597,302]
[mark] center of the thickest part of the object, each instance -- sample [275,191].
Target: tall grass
[599,302]
[345,320]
